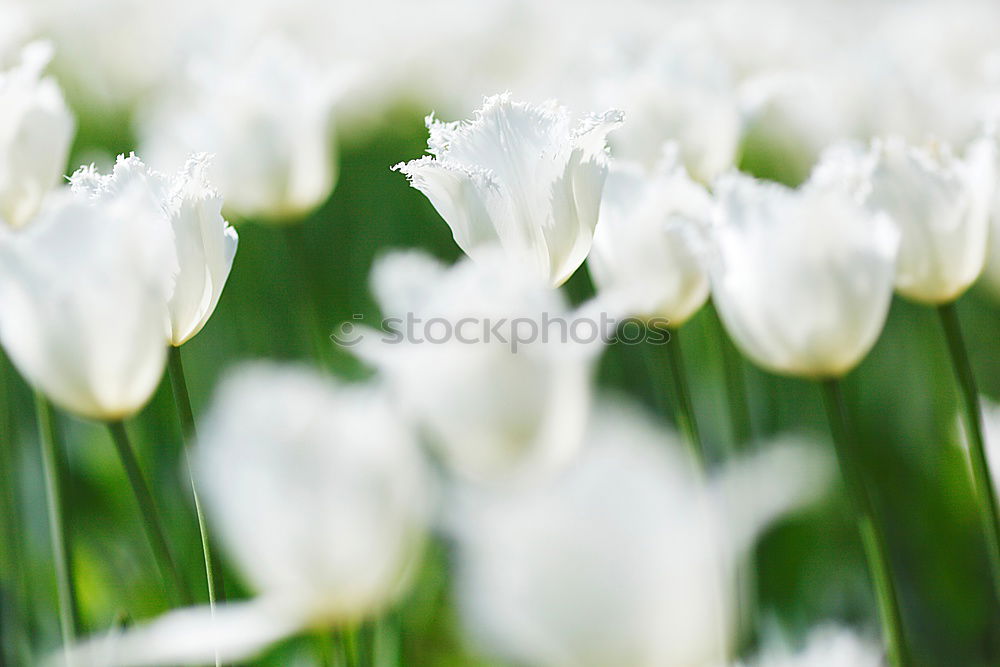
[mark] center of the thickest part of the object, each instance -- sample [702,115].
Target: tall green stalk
[151,518]
[48,437]
[983,481]
[670,362]
[741,433]
[182,402]
[14,645]
[386,649]
[685,407]
[740,421]
[309,301]
[872,537]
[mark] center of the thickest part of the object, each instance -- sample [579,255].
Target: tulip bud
[520,177]
[83,295]
[645,255]
[942,206]
[802,278]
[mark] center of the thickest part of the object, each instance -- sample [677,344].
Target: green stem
[988,512]
[151,518]
[741,433]
[352,646]
[14,645]
[670,362]
[872,537]
[684,408]
[740,422]
[309,300]
[182,402]
[386,649]
[48,438]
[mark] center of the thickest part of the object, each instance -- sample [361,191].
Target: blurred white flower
[266,116]
[84,293]
[679,89]
[521,177]
[491,412]
[645,253]
[791,117]
[941,204]
[204,243]
[36,129]
[319,494]
[17,24]
[826,646]
[318,491]
[626,558]
[802,278]
[112,52]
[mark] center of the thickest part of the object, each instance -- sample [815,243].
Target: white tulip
[826,646]
[319,494]
[625,559]
[206,246]
[203,242]
[520,177]
[802,278]
[646,250]
[942,206]
[680,89]
[318,491]
[266,116]
[36,130]
[84,290]
[492,412]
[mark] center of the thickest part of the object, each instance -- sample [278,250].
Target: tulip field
[502,333]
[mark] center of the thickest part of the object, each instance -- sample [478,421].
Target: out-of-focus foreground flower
[646,247]
[36,129]
[802,278]
[626,558]
[319,494]
[503,392]
[520,177]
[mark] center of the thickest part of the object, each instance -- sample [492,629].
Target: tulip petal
[228,633]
